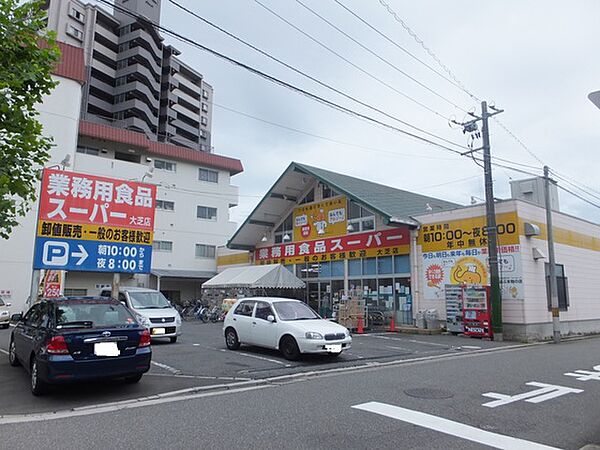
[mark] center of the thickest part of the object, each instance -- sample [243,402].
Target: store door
[319,298]
[313,295]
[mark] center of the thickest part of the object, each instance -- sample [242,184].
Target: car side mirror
[271,318]
[16,318]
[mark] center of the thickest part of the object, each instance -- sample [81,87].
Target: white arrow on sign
[82,254]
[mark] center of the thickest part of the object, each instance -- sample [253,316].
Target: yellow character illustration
[468,270]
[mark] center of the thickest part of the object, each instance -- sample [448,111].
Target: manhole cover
[428,393]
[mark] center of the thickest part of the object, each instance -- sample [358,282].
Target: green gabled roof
[394,205]
[390,202]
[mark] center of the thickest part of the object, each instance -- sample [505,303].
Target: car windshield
[87,315]
[294,311]
[148,300]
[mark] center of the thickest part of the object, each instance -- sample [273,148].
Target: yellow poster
[320,220]
[467,233]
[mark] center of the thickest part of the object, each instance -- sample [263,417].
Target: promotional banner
[97,224]
[51,284]
[470,267]
[361,245]
[320,220]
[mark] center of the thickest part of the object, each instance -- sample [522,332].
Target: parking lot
[200,359]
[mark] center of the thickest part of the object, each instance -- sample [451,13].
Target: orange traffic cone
[359,325]
[392,324]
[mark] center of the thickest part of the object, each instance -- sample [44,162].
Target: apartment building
[135,81]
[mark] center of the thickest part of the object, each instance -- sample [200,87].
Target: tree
[28,52]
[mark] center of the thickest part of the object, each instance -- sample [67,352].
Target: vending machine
[454,308]
[477,311]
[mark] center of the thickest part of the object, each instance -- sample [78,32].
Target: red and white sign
[87,199]
[341,244]
[52,284]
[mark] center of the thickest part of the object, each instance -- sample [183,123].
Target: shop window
[369,266]
[337,268]
[370,291]
[355,267]
[286,228]
[309,197]
[355,285]
[289,267]
[563,287]
[384,265]
[401,264]
[325,270]
[359,218]
[327,192]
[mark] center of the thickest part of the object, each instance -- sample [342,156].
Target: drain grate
[429,393]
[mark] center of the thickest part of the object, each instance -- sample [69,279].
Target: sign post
[94,224]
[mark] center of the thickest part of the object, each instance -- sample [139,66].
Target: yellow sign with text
[91,232]
[320,220]
[468,233]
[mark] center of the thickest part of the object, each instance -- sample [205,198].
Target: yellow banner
[320,220]
[91,232]
[467,233]
[339,256]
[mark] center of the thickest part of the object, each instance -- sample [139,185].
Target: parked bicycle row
[198,310]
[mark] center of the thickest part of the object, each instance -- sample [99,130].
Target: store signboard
[467,233]
[470,267]
[91,223]
[320,220]
[361,245]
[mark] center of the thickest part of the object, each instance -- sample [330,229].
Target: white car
[287,325]
[4,314]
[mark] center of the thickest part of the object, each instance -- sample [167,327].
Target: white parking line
[3,351]
[450,427]
[173,370]
[257,357]
[413,341]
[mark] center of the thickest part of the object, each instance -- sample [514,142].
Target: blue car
[79,338]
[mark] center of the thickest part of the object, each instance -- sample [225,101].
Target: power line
[390,40]
[379,56]
[314,79]
[591,194]
[578,196]
[379,80]
[282,83]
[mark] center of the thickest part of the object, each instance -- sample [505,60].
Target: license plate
[334,348]
[158,331]
[106,349]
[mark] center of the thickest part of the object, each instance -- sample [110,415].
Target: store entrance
[319,297]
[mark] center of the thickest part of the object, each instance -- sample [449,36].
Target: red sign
[52,282]
[351,243]
[88,199]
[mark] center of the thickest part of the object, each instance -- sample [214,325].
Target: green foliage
[28,52]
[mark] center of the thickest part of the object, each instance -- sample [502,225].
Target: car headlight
[313,335]
[144,321]
[177,319]
[3,313]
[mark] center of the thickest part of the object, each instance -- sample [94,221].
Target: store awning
[272,276]
[180,273]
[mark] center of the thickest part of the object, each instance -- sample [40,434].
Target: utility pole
[551,260]
[490,212]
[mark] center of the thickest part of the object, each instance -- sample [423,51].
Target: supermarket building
[399,249]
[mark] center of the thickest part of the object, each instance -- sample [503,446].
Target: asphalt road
[435,402]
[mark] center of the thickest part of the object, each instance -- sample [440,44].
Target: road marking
[199,377]
[413,341]
[470,347]
[400,348]
[450,427]
[586,375]
[173,370]
[257,357]
[3,351]
[196,345]
[545,392]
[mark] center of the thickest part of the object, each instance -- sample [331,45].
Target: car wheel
[38,387]
[289,348]
[173,339]
[12,354]
[133,379]
[231,339]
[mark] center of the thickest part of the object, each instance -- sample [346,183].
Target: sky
[537,60]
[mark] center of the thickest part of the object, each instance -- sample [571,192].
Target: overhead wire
[369,74]
[304,74]
[378,56]
[564,180]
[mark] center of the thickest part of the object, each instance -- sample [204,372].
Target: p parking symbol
[55,253]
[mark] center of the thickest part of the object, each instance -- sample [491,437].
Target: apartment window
[203,134]
[204,93]
[122,63]
[359,218]
[205,251]
[121,81]
[125,30]
[165,205]
[206,212]
[204,107]
[286,228]
[75,32]
[163,246]
[204,120]
[77,15]
[563,287]
[165,165]
[120,98]
[124,46]
[88,150]
[212,176]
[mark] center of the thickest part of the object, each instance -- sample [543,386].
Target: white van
[152,310]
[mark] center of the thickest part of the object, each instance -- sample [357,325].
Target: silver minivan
[152,310]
